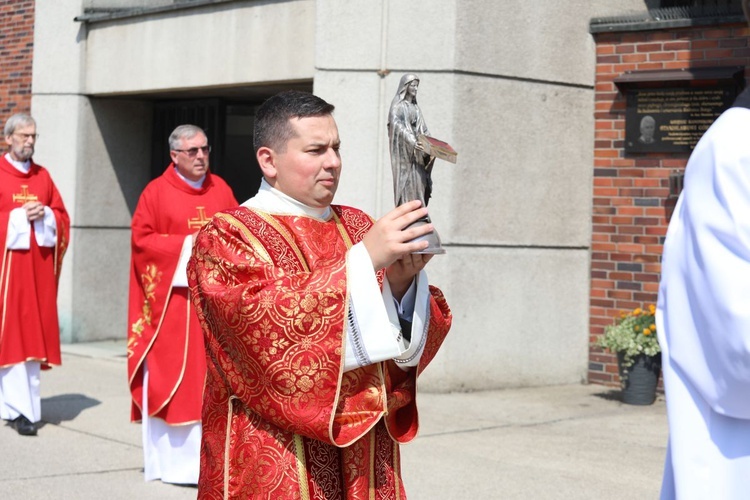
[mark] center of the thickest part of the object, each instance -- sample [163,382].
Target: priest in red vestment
[166,357]
[34,229]
[317,322]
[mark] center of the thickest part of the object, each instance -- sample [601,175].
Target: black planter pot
[639,380]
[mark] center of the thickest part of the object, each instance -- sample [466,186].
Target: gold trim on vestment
[347,240]
[396,470]
[271,221]
[373,443]
[41,361]
[342,362]
[250,237]
[227,438]
[2,264]
[150,344]
[54,260]
[184,355]
[348,243]
[299,450]
[61,245]
[4,279]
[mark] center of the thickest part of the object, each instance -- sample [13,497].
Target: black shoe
[24,426]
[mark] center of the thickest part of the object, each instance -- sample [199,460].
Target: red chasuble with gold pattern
[163,328]
[29,328]
[281,419]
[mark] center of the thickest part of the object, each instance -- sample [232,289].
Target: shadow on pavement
[612,395]
[65,407]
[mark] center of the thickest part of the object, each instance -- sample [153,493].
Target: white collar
[22,166]
[193,184]
[274,201]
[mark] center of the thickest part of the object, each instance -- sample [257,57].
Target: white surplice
[703,319]
[171,453]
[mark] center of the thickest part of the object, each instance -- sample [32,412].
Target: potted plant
[633,339]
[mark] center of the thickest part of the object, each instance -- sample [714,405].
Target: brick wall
[631,202]
[16,53]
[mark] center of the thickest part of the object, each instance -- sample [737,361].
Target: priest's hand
[34,210]
[389,240]
[401,273]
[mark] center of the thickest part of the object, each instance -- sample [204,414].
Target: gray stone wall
[508,84]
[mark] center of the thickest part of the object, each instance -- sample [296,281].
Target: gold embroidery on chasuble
[60,250]
[149,281]
[4,277]
[198,222]
[384,465]
[287,318]
[292,305]
[256,245]
[24,196]
[323,465]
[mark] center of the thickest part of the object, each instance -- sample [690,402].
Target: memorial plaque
[672,120]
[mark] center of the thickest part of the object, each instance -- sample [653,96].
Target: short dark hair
[272,128]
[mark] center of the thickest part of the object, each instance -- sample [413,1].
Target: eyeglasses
[194,151]
[26,137]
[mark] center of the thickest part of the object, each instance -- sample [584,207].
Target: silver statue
[411,166]
[413,153]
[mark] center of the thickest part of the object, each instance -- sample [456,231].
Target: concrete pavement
[559,442]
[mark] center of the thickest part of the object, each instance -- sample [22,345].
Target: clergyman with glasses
[166,357]
[34,229]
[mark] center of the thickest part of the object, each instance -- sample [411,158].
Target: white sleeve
[45,230]
[420,321]
[180,273]
[373,332]
[703,318]
[19,231]
[405,307]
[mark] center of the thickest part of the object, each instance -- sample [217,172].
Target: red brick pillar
[16,54]
[631,202]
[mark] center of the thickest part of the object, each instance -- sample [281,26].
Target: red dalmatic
[162,324]
[280,417]
[29,328]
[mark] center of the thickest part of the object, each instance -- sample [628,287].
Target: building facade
[16,55]
[509,84]
[695,49]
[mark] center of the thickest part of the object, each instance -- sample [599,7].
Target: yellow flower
[637,311]
[637,328]
[652,327]
[646,331]
[652,309]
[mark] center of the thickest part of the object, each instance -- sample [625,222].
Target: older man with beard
[34,228]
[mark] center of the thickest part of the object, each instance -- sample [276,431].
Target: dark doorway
[229,128]
[227,116]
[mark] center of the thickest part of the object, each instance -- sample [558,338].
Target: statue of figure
[411,166]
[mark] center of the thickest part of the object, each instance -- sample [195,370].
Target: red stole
[271,293]
[162,324]
[29,328]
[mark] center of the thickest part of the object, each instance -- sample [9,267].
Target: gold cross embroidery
[24,196]
[198,222]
